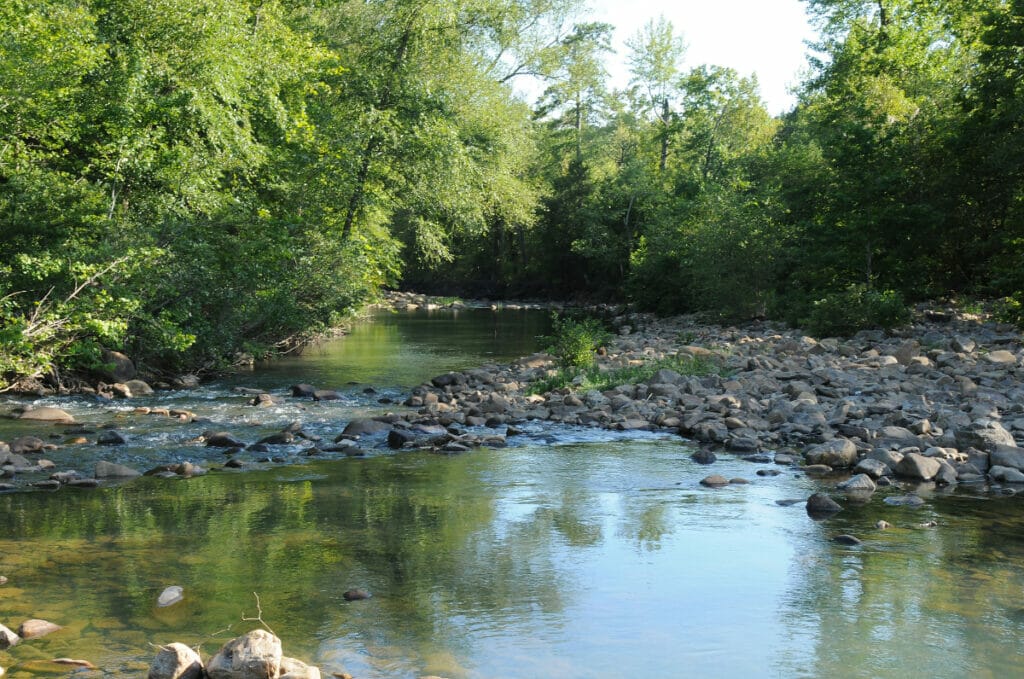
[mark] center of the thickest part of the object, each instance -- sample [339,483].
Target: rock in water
[256,655]
[296,669]
[33,629]
[170,596]
[714,481]
[356,595]
[48,414]
[820,505]
[846,540]
[8,638]
[176,661]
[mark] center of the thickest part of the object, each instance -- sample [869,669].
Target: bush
[574,342]
[1010,309]
[856,308]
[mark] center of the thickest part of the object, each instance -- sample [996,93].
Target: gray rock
[176,661]
[821,505]
[222,439]
[397,438]
[109,470]
[170,596]
[111,437]
[984,435]
[139,388]
[703,456]
[918,467]
[364,427]
[873,468]
[839,452]
[27,445]
[904,501]
[861,483]
[889,458]
[1001,357]
[1007,456]
[947,475]
[303,390]
[256,655]
[326,395]
[1006,474]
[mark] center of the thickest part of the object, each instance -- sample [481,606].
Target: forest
[188,181]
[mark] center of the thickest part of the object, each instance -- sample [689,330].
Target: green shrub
[573,342]
[856,308]
[1010,309]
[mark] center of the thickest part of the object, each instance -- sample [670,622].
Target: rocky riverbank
[939,402]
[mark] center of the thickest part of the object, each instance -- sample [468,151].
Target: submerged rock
[170,596]
[35,628]
[820,505]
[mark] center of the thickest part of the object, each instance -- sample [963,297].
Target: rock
[26,445]
[8,638]
[303,390]
[882,524]
[256,655]
[703,456]
[448,380]
[356,595]
[262,400]
[984,435]
[176,661]
[281,438]
[846,540]
[111,437]
[1001,357]
[397,438]
[222,439]
[714,481]
[918,467]
[365,426]
[48,414]
[116,367]
[861,483]
[873,468]
[326,395]
[108,470]
[821,505]
[1006,474]
[903,501]
[296,669]
[139,388]
[33,629]
[1007,456]
[839,452]
[170,596]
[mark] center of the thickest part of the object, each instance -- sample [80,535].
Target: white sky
[765,37]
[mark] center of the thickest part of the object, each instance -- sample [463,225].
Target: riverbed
[572,552]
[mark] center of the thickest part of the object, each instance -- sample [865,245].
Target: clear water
[570,554]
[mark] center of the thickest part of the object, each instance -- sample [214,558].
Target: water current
[572,553]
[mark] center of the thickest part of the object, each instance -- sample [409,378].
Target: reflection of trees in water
[937,600]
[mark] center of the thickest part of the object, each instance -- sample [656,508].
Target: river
[572,553]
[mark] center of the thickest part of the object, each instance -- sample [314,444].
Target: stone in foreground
[176,661]
[256,655]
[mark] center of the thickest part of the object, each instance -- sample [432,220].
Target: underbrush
[594,378]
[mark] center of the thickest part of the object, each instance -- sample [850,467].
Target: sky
[765,37]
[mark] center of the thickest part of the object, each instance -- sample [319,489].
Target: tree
[654,59]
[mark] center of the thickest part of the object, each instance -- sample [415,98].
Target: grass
[602,380]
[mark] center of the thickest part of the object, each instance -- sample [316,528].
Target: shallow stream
[572,553]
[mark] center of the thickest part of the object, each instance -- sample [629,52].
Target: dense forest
[184,180]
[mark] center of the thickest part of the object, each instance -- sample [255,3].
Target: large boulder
[116,367]
[918,467]
[8,638]
[839,452]
[984,435]
[176,661]
[256,655]
[1007,456]
[365,426]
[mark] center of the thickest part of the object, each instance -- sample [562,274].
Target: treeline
[188,179]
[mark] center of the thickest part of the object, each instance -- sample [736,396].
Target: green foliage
[858,307]
[1010,309]
[592,377]
[573,342]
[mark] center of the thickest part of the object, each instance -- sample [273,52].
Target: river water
[571,553]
